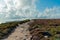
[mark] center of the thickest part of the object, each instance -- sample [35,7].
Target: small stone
[24,39]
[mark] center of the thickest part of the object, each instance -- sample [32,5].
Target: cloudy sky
[11,10]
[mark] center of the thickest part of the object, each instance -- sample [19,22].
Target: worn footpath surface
[20,33]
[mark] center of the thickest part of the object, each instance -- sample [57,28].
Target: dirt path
[20,33]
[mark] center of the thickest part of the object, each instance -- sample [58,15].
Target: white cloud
[51,13]
[17,9]
[20,9]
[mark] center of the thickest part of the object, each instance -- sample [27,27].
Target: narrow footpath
[20,33]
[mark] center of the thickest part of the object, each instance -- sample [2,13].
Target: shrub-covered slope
[45,29]
[7,28]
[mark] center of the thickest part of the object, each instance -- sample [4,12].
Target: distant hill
[46,21]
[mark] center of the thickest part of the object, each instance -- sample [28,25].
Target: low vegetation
[7,28]
[50,27]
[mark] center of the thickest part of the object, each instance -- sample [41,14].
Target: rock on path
[20,33]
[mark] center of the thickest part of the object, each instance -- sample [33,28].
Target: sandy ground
[20,33]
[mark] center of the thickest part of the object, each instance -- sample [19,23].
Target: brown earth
[46,25]
[34,28]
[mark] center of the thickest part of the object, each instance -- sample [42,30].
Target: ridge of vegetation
[8,28]
[44,29]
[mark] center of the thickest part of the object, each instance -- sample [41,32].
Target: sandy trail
[20,33]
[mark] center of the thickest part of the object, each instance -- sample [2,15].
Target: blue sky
[11,10]
[42,4]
